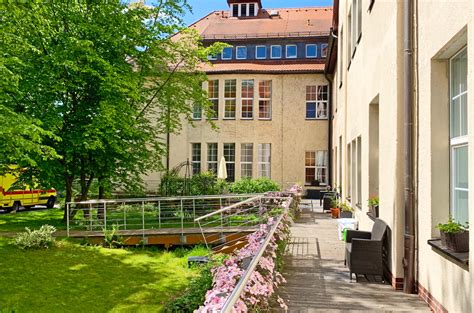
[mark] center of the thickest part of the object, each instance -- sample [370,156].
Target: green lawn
[74,278]
[34,219]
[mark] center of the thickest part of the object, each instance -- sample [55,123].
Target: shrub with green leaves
[452,227]
[36,239]
[259,185]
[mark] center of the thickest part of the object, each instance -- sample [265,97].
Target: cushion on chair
[378,230]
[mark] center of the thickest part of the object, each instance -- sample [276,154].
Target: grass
[74,278]
[34,218]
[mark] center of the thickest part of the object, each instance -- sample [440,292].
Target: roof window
[244,9]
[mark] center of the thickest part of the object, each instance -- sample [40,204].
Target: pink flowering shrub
[265,278]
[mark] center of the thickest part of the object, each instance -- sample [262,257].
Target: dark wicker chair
[364,250]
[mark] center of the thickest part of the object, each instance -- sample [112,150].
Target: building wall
[375,75]
[289,132]
[441,36]
[371,81]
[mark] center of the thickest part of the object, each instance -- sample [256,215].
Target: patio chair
[364,253]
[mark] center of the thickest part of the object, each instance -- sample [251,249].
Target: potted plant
[316,183]
[346,210]
[454,236]
[374,205]
[335,211]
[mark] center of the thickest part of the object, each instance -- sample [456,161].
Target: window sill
[264,119]
[229,118]
[459,258]
[247,118]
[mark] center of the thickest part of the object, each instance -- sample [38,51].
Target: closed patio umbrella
[222,170]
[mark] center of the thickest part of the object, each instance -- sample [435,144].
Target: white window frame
[311,101]
[255,10]
[309,166]
[271,52]
[237,52]
[213,99]
[227,160]
[211,57]
[324,45]
[197,110]
[245,161]
[231,53]
[322,103]
[230,99]
[324,166]
[296,52]
[232,10]
[193,161]
[262,162]
[247,99]
[256,52]
[265,99]
[459,141]
[214,162]
[316,50]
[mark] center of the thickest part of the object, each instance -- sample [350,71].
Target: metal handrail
[227,208]
[267,35]
[152,199]
[236,293]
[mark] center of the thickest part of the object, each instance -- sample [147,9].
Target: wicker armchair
[364,253]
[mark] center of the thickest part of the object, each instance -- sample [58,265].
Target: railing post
[90,216]
[67,217]
[194,212]
[182,221]
[124,217]
[105,215]
[143,219]
[159,214]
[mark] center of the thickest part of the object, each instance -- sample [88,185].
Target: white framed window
[212,157]
[230,94]
[310,167]
[243,9]
[264,160]
[311,92]
[322,103]
[349,171]
[247,99]
[261,52]
[197,112]
[227,53]
[235,10]
[311,51]
[324,50]
[196,158]
[459,138]
[246,160]
[322,166]
[241,52]
[354,172]
[265,99]
[275,52]
[213,94]
[229,155]
[252,9]
[359,172]
[291,51]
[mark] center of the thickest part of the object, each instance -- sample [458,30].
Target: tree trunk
[69,179]
[100,210]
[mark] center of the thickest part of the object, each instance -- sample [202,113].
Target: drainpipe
[408,96]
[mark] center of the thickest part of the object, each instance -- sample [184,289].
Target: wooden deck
[318,281]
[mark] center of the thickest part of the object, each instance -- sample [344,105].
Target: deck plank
[318,281]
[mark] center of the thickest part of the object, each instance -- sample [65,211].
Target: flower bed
[260,288]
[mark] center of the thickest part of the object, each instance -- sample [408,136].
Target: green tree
[107,81]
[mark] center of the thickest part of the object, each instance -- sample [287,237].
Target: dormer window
[244,9]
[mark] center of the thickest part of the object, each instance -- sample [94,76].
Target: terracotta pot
[458,242]
[335,212]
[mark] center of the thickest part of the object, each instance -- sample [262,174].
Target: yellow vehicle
[15,199]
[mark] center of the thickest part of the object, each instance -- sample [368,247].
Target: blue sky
[203,7]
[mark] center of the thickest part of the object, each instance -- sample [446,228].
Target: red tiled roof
[315,21]
[249,67]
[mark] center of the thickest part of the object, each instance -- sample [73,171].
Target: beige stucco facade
[288,131]
[368,103]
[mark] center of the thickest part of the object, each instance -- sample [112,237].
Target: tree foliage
[94,85]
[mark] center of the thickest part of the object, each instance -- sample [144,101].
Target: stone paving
[318,281]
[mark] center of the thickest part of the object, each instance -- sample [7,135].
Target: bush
[194,296]
[259,185]
[36,239]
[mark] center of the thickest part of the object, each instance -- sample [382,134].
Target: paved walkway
[318,281]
